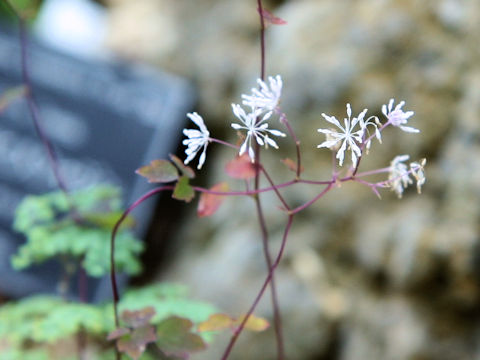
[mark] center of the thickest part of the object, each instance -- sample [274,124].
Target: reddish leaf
[241,168]
[134,339]
[209,203]
[270,18]
[185,170]
[175,337]
[216,322]
[136,342]
[138,318]
[292,165]
[117,333]
[159,171]
[183,190]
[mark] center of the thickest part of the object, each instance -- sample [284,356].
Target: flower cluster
[353,135]
[261,104]
[399,174]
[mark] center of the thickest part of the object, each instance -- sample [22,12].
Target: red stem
[113,278]
[269,278]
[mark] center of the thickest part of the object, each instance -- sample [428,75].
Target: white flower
[371,121]
[398,117]
[258,130]
[348,135]
[197,139]
[418,173]
[399,175]
[267,97]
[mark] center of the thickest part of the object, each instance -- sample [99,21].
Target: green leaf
[175,337]
[159,171]
[183,190]
[185,170]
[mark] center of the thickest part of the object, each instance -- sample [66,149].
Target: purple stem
[316,198]
[258,205]
[32,105]
[113,278]
[362,147]
[269,278]
[223,143]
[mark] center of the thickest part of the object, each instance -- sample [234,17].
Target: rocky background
[362,278]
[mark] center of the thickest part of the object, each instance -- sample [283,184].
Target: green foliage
[30,325]
[167,300]
[47,319]
[77,227]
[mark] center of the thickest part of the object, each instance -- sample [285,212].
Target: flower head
[348,136]
[258,130]
[267,97]
[399,175]
[418,173]
[197,139]
[398,117]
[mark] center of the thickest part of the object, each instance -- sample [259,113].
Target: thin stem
[364,143]
[267,281]
[258,205]
[33,107]
[82,285]
[262,40]
[223,143]
[113,278]
[275,189]
[315,199]
[373,172]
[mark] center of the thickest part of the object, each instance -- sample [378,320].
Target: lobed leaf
[183,190]
[209,203]
[222,321]
[241,168]
[135,342]
[138,318]
[176,338]
[159,171]
[216,322]
[184,169]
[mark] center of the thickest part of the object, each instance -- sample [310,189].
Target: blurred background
[362,278]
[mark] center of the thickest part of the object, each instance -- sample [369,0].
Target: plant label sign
[104,120]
